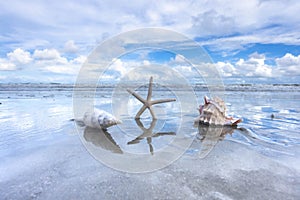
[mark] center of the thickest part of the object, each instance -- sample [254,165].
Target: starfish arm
[152,113]
[135,141]
[151,149]
[163,133]
[152,125]
[162,101]
[138,115]
[140,124]
[149,141]
[136,96]
[150,89]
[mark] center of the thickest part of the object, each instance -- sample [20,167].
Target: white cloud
[146,62]
[185,70]
[19,56]
[141,69]
[181,65]
[226,69]
[62,69]
[15,60]
[288,65]
[262,71]
[79,60]
[51,60]
[48,60]
[46,54]
[288,60]
[6,65]
[70,47]
[119,66]
[254,66]
[212,23]
[179,58]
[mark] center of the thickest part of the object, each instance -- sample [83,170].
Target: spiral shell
[213,112]
[99,119]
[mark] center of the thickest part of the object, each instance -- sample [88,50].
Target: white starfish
[148,102]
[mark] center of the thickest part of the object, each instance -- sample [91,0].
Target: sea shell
[99,119]
[213,112]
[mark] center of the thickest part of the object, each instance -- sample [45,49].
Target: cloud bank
[229,21]
[55,37]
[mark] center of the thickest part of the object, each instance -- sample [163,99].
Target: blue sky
[249,41]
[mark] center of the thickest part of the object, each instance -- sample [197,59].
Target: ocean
[45,155]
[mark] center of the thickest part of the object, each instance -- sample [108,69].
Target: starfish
[148,102]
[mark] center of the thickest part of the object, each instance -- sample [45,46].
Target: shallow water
[42,156]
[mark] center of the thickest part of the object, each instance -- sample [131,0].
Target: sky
[255,41]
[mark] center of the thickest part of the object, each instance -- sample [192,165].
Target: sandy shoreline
[68,171]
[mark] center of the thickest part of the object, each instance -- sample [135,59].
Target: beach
[44,156]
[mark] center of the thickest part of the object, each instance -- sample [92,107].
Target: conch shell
[213,112]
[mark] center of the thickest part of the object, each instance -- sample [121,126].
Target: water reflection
[148,134]
[210,135]
[101,138]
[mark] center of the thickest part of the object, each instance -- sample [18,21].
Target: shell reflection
[101,138]
[209,136]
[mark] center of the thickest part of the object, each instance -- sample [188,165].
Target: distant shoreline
[197,87]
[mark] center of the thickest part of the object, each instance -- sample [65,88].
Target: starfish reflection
[148,134]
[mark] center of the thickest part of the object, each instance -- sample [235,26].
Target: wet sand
[67,171]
